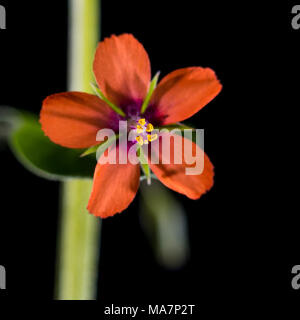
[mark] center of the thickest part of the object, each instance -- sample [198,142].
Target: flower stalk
[79,231]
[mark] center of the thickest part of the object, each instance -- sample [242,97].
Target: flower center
[144,130]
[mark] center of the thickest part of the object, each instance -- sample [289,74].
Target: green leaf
[90,150]
[43,157]
[150,91]
[102,97]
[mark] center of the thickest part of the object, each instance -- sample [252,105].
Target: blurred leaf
[8,121]
[164,221]
[41,156]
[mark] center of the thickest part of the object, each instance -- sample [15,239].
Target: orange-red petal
[114,188]
[184,92]
[122,69]
[72,119]
[174,175]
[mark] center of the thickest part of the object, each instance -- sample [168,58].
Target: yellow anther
[149,127]
[140,140]
[139,129]
[142,121]
[152,137]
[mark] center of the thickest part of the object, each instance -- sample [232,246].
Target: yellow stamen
[140,140]
[139,129]
[152,137]
[149,127]
[142,121]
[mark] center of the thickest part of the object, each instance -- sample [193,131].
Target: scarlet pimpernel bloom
[126,93]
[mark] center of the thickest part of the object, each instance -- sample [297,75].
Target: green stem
[79,244]
[80,232]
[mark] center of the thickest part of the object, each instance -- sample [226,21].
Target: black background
[244,242]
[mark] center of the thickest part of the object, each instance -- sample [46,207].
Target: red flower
[122,71]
